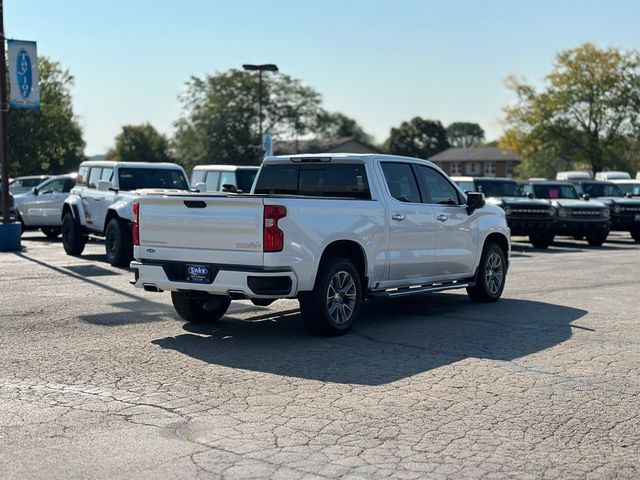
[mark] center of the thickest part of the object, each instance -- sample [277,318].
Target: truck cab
[223,178]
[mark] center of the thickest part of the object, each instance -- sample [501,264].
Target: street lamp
[266,67]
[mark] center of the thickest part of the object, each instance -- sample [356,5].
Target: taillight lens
[135,230]
[273,236]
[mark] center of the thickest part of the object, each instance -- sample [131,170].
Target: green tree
[465,134]
[219,122]
[338,125]
[419,138]
[586,113]
[140,143]
[47,140]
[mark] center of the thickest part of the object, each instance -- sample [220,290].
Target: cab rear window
[344,180]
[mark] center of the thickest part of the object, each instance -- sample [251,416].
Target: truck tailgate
[200,228]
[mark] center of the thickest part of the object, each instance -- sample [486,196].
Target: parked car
[24,184]
[327,230]
[625,211]
[41,207]
[573,176]
[629,187]
[223,178]
[613,176]
[577,217]
[101,203]
[525,216]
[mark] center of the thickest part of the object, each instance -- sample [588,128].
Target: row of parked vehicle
[575,206]
[296,232]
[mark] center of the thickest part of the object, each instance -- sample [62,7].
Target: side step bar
[417,289]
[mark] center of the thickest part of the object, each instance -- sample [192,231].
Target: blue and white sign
[23,74]
[267,144]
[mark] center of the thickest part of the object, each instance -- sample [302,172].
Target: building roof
[475,154]
[316,145]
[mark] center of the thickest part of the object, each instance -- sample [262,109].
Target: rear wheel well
[353,252]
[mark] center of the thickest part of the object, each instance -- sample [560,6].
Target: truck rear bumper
[233,280]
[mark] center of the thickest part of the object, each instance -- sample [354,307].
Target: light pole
[265,67]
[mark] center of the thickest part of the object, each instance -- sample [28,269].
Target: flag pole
[4,140]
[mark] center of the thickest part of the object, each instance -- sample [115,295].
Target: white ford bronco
[330,231]
[101,203]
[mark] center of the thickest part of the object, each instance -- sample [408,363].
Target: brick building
[477,162]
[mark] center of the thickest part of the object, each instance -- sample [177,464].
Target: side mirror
[104,185]
[586,196]
[529,195]
[229,188]
[201,187]
[628,195]
[475,200]
[34,190]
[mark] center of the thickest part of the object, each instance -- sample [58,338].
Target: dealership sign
[23,74]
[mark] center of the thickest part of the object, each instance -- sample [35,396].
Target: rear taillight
[135,230]
[273,236]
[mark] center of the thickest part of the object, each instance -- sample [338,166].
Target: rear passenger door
[456,230]
[412,229]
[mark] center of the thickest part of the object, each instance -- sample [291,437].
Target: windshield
[498,188]
[245,179]
[601,189]
[138,178]
[632,188]
[555,190]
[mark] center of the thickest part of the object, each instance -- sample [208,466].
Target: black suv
[525,216]
[624,209]
[577,217]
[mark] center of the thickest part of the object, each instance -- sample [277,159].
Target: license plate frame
[197,273]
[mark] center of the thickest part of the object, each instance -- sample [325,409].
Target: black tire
[73,239]
[597,239]
[333,315]
[635,234]
[200,308]
[541,240]
[51,232]
[118,243]
[491,276]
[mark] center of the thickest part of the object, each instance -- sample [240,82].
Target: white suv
[101,203]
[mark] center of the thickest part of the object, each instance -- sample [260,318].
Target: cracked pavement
[100,380]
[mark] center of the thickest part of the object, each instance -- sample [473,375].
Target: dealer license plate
[197,273]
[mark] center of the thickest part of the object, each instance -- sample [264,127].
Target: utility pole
[4,138]
[267,67]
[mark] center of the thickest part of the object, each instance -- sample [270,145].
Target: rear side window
[401,182]
[107,174]
[94,177]
[197,177]
[213,180]
[343,180]
[227,178]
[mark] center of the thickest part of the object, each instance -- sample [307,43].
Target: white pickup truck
[330,231]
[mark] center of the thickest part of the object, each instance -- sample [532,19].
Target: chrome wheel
[494,273]
[341,297]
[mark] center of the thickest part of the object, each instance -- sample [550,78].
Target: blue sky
[381,62]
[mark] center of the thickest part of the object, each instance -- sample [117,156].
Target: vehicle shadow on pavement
[394,339]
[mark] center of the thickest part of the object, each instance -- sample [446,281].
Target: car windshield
[498,188]
[632,188]
[245,179]
[601,190]
[138,178]
[555,190]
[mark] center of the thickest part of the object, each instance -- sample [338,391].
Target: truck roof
[109,163]
[341,157]
[226,168]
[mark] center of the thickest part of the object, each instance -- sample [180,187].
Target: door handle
[398,217]
[97,199]
[442,218]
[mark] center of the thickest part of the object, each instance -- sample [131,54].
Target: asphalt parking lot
[100,380]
